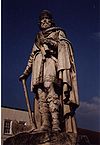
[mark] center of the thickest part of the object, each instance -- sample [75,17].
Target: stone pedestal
[41,138]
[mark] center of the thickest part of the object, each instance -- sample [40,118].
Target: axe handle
[27,102]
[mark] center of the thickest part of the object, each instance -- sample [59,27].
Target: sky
[80,20]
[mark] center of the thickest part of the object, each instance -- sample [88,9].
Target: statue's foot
[41,129]
[31,130]
[57,129]
[45,128]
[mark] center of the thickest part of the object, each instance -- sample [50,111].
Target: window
[7,126]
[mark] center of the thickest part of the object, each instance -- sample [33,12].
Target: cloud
[91,106]
[88,114]
[96,100]
[96,36]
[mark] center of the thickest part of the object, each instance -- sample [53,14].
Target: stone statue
[53,80]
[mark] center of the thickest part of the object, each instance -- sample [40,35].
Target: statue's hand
[22,77]
[51,42]
[43,58]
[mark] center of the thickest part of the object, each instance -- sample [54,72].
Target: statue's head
[46,20]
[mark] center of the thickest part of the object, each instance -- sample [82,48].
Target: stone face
[41,138]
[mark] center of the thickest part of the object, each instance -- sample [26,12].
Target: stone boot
[45,122]
[55,122]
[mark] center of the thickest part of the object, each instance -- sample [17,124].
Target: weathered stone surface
[41,138]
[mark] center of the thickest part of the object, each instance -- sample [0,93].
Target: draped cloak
[60,67]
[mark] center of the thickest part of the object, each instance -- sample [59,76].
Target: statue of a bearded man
[53,80]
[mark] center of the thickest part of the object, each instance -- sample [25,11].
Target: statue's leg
[54,104]
[44,110]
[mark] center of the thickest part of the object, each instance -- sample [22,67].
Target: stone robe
[56,67]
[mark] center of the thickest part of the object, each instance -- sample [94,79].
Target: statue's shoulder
[54,29]
[63,36]
[39,33]
[61,30]
[38,36]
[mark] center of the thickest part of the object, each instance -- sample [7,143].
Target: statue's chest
[53,35]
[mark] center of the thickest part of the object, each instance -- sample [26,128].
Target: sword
[28,104]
